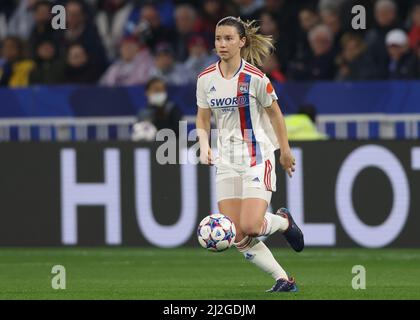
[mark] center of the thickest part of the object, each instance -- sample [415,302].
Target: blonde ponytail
[257,46]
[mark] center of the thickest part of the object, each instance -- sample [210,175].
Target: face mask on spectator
[158,99]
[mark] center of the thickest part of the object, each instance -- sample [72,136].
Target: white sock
[258,253]
[273,223]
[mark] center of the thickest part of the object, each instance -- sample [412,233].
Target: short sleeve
[201,94]
[265,92]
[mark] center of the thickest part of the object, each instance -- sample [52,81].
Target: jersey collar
[236,73]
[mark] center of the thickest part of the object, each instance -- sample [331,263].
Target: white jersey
[245,134]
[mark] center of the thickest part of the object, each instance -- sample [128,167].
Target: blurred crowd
[129,42]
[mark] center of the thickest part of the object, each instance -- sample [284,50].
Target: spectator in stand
[80,68]
[331,18]
[308,19]
[386,19]
[186,24]
[3,63]
[166,68]
[334,5]
[133,67]
[269,26]
[302,125]
[48,68]
[283,8]
[21,22]
[15,68]
[160,110]
[164,9]
[80,30]
[402,61]
[286,13]
[148,26]
[110,21]
[321,64]
[352,62]
[272,69]
[7,7]
[414,34]
[199,57]
[249,9]
[418,61]
[42,29]
[213,11]
[189,36]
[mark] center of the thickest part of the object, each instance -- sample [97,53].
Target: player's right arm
[203,125]
[202,122]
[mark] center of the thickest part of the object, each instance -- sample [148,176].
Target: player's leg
[229,193]
[255,251]
[273,223]
[232,209]
[229,198]
[282,220]
[251,221]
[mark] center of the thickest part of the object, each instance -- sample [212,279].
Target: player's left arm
[279,126]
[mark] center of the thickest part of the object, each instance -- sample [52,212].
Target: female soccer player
[250,128]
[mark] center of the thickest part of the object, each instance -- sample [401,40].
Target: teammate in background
[250,128]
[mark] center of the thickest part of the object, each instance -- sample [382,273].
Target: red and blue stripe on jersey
[209,69]
[253,70]
[247,130]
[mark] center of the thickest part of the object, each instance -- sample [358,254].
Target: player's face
[227,42]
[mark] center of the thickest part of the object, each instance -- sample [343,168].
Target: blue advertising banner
[393,97]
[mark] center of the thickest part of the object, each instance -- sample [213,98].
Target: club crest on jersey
[243,87]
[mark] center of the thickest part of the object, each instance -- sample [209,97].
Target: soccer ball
[216,232]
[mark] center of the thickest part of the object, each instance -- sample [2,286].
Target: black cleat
[293,234]
[283,285]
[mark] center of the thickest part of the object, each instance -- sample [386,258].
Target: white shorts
[242,182]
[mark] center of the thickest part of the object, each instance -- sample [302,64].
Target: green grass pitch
[193,273]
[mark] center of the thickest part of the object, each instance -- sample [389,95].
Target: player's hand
[287,161]
[206,156]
